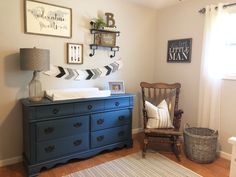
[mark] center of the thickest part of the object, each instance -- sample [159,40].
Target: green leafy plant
[99,23]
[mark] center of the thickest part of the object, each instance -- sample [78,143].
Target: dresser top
[46,101]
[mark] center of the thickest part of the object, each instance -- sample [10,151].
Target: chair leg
[179,146]
[176,147]
[145,143]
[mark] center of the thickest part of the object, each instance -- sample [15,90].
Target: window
[229,61]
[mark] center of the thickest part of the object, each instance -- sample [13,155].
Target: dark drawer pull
[90,107]
[55,111]
[100,121]
[121,118]
[100,138]
[121,133]
[117,103]
[49,149]
[77,142]
[48,130]
[77,125]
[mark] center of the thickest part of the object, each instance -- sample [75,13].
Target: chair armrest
[145,118]
[145,112]
[177,119]
[178,113]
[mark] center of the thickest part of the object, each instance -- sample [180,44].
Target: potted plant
[98,23]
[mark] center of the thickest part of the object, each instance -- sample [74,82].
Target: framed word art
[75,53]
[179,51]
[47,19]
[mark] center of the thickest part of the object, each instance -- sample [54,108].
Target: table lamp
[36,60]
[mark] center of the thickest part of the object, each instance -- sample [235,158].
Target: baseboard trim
[225,155]
[10,161]
[136,130]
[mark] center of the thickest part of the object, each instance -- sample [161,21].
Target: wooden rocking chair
[155,93]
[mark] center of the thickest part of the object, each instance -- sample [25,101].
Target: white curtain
[213,53]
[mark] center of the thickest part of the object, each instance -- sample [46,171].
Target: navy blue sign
[179,51]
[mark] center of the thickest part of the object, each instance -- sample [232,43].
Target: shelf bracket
[111,56]
[93,52]
[93,48]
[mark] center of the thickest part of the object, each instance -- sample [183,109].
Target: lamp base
[35,88]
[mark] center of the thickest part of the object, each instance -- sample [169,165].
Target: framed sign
[47,19]
[105,39]
[179,51]
[117,87]
[74,53]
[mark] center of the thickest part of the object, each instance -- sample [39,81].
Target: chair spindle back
[156,92]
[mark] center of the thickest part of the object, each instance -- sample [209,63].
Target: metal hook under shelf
[111,56]
[93,48]
[93,52]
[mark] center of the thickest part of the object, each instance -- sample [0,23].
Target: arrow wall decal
[87,74]
[62,72]
[70,75]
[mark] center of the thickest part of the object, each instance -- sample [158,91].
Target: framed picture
[179,51]
[105,39]
[74,53]
[117,87]
[47,19]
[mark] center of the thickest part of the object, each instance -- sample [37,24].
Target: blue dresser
[55,132]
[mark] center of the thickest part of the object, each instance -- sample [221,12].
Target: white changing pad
[67,94]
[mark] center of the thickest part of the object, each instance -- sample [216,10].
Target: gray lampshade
[34,59]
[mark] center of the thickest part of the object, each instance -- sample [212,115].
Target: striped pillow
[158,116]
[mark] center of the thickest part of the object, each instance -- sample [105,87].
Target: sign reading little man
[179,51]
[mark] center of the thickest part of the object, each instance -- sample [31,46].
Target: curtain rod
[203,10]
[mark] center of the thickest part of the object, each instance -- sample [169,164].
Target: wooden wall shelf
[104,39]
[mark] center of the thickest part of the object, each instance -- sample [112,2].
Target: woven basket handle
[215,132]
[186,126]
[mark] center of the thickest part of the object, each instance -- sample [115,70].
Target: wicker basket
[200,144]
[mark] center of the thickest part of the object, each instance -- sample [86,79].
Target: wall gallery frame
[116,87]
[47,19]
[74,53]
[179,51]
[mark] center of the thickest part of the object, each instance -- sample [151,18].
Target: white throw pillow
[158,116]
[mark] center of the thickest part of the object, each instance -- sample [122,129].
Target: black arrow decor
[62,72]
[90,74]
[109,69]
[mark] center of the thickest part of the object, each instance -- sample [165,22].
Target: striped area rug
[154,165]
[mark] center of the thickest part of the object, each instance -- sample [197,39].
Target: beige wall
[184,21]
[137,26]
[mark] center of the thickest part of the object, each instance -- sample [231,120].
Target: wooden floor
[220,168]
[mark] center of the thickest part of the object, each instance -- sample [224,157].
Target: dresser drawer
[89,106]
[54,110]
[109,136]
[51,149]
[116,103]
[61,128]
[110,119]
